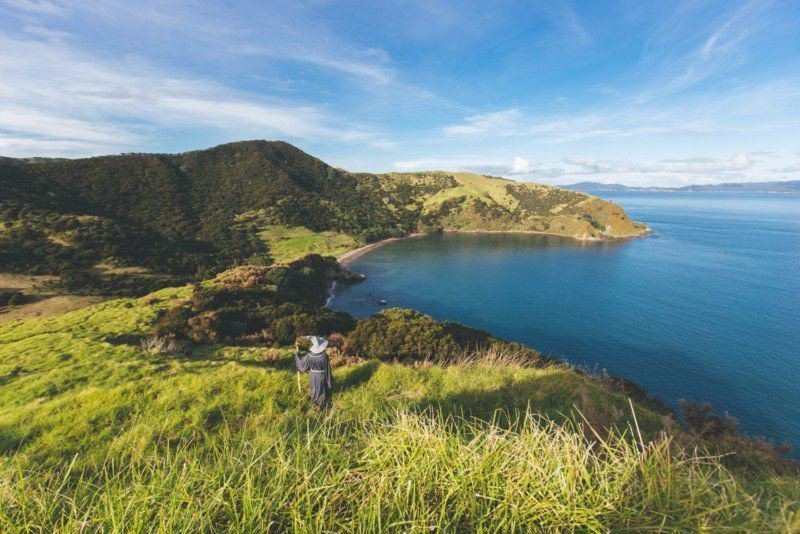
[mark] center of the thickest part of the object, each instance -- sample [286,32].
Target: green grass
[97,435]
[289,243]
[475,185]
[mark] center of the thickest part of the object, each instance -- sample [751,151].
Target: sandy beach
[351,254]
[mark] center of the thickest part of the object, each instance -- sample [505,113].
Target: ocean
[707,308]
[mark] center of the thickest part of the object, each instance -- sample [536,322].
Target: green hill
[180,411]
[180,217]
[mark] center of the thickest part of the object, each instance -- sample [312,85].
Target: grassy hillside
[187,216]
[289,243]
[480,203]
[100,431]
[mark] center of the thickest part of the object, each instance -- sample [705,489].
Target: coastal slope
[181,411]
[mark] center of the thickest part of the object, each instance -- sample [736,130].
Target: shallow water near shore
[707,308]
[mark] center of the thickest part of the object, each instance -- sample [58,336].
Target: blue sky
[660,92]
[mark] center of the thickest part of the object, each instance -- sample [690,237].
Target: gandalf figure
[316,362]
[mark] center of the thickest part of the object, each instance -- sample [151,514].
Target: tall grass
[98,435]
[411,472]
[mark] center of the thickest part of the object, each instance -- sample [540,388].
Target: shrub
[11,297]
[253,304]
[400,333]
[701,419]
[172,321]
[165,345]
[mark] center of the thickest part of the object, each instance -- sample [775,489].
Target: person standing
[318,365]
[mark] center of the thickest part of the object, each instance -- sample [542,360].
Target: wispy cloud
[794,168]
[774,103]
[565,17]
[369,64]
[734,29]
[41,7]
[718,51]
[57,97]
[504,122]
[703,165]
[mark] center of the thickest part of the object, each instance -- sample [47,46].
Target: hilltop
[180,411]
[136,222]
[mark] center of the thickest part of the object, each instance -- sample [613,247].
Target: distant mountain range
[792,186]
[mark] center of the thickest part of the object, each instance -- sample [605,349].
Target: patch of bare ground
[38,302]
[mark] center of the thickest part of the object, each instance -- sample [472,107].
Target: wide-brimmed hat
[318,344]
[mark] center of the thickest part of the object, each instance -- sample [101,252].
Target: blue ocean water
[707,308]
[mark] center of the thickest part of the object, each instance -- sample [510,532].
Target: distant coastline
[776,187]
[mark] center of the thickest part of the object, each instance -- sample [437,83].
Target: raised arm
[300,361]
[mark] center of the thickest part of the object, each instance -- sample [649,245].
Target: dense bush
[11,297]
[541,201]
[594,222]
[399,333]
[701,419]
[264,305]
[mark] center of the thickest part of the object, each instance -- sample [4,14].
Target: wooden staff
[299,387]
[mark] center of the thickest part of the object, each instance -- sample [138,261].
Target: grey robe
[321,380]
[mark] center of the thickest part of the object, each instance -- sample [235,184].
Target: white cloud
[520,167]
[523,166]
[739,162]
[383,144]
[734,29]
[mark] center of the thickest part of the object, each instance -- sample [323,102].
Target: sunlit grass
[410,471]
[289,243]
[477,186]
[97,435]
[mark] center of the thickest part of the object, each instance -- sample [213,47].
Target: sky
[640,93]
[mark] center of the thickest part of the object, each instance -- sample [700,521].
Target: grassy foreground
[97,435]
